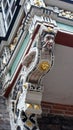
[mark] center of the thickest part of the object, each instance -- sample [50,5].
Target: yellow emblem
[25,86]
[44,66]
[37,107]
[37,2]
[29,105]
[29,123]
[50,29]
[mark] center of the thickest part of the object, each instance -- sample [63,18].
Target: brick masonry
[54,117]
[58,109]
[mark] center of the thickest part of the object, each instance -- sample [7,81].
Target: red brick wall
[60,109]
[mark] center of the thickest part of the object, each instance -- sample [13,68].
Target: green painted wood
[19,55]
[65,27]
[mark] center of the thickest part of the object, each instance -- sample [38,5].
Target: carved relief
[27,93]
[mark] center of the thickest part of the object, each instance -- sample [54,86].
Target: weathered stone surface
[4,115]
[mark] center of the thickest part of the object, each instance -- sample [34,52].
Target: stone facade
[4,115]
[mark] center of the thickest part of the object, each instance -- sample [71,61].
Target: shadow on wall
[55,122]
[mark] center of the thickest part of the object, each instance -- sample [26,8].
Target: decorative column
[26,96]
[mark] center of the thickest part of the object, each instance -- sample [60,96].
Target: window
[9,1]
[4,3]
[8,19]
[18,128]
[13,7]
[6,8]
[68,1]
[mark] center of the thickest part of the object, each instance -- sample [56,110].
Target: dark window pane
[6,8]
[18,128]
[13,7]
[8,19]
[68,1]
[9,1]
[4,2]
